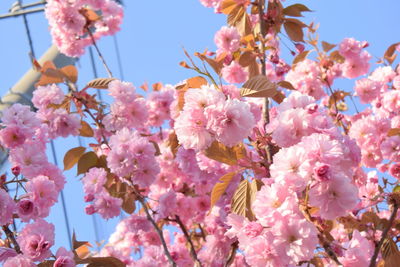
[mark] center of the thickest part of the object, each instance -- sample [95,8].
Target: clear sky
[150,43]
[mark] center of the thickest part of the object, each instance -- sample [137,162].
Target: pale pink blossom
[43,96]
[334,197]
[36,239]
[20,261]
[7,207]
[190,128]
[227,39]
[234,73]
[230,122]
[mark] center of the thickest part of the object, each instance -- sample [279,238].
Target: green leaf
[72,157]
[396,189]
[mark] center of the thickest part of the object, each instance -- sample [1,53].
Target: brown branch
[158,230]
[189,240]
[100,54]
[384,234]
[11,237]
[234,247]
[265,112]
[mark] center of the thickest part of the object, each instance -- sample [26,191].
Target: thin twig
[100,55]
[11,237]
[384,234]
[265,112]
[234,247]
[189,240]
[158,230]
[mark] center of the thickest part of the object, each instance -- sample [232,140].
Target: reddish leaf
[294,30]
[295,10]
[72,157]
[70,72]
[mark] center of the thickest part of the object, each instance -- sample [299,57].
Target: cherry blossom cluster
[207,116]
[76,24]
[175,159]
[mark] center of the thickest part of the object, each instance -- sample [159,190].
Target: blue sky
[151,41]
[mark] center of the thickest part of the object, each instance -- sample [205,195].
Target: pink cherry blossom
[227,39]
[234,73]
[36,239]
[230,122]
[7,207]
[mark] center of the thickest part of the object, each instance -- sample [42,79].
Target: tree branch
[189,240]
[158,230]
[265,112]
[100,55]
[384,234]
[11,237]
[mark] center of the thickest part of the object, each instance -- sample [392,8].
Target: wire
[64,206]
[120,69]
[94,69]
[28,32]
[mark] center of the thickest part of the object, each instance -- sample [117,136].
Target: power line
[28,32]
[116,46]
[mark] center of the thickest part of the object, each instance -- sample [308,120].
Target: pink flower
[43,193]
[68,24]
[26,209]
[122,91]
[159,104]
[234,73]
[391,148]
[202,97]
[394,170]
[298,236]
[20,261]
[36,239]
[227,39]
[7,207]
[13,136]
[290,168]
[230,122]
[306,78]
[6,253]
[263,251]
[166,204]
[368,90]
[291,126]
[65,258]
[94,180]
[107,206]
[350,48]
[321,172]
[358,252]
[45,95]
[391,101]
[30,157]
[190,128]
[20,115]
[61,123]
[334,197]
[354,67]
